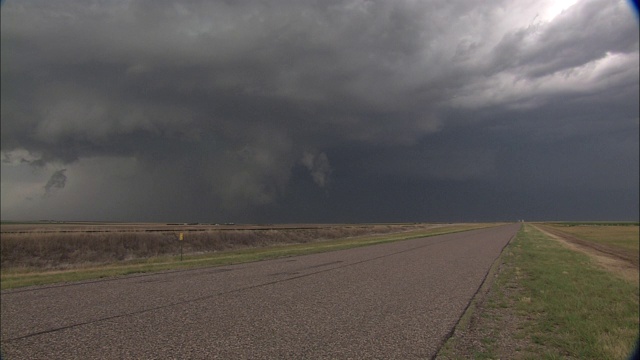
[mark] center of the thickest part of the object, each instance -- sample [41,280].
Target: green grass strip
[575,309]
[548,302]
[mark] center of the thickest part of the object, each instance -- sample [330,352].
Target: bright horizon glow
[556,8]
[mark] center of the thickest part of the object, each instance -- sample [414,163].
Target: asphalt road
[392,301]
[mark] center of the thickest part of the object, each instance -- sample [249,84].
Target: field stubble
[54,248]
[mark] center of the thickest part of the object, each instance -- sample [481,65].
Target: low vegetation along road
[395,301]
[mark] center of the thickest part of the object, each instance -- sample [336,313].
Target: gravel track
[391,301]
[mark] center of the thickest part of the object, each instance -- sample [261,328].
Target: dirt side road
[393,301]
[621,254]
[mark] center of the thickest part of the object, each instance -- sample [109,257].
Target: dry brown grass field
[620,241]
[67,245]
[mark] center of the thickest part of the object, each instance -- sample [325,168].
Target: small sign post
[181,239]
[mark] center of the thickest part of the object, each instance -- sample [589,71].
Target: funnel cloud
[57,181]
[318,166]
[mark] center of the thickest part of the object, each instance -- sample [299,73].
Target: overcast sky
[319,111]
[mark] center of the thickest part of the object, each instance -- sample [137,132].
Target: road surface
[392,301]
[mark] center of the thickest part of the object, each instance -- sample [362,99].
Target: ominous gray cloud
[320,111]
[57,181]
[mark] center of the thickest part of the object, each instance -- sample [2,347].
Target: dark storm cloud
[57,181]
[202,109]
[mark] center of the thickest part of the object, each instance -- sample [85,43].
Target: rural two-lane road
[391,301]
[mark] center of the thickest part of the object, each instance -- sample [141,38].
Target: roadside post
[181,239]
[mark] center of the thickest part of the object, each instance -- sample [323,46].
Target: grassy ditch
[549,302]
[21,276]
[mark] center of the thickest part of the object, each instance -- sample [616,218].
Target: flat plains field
[446,291]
